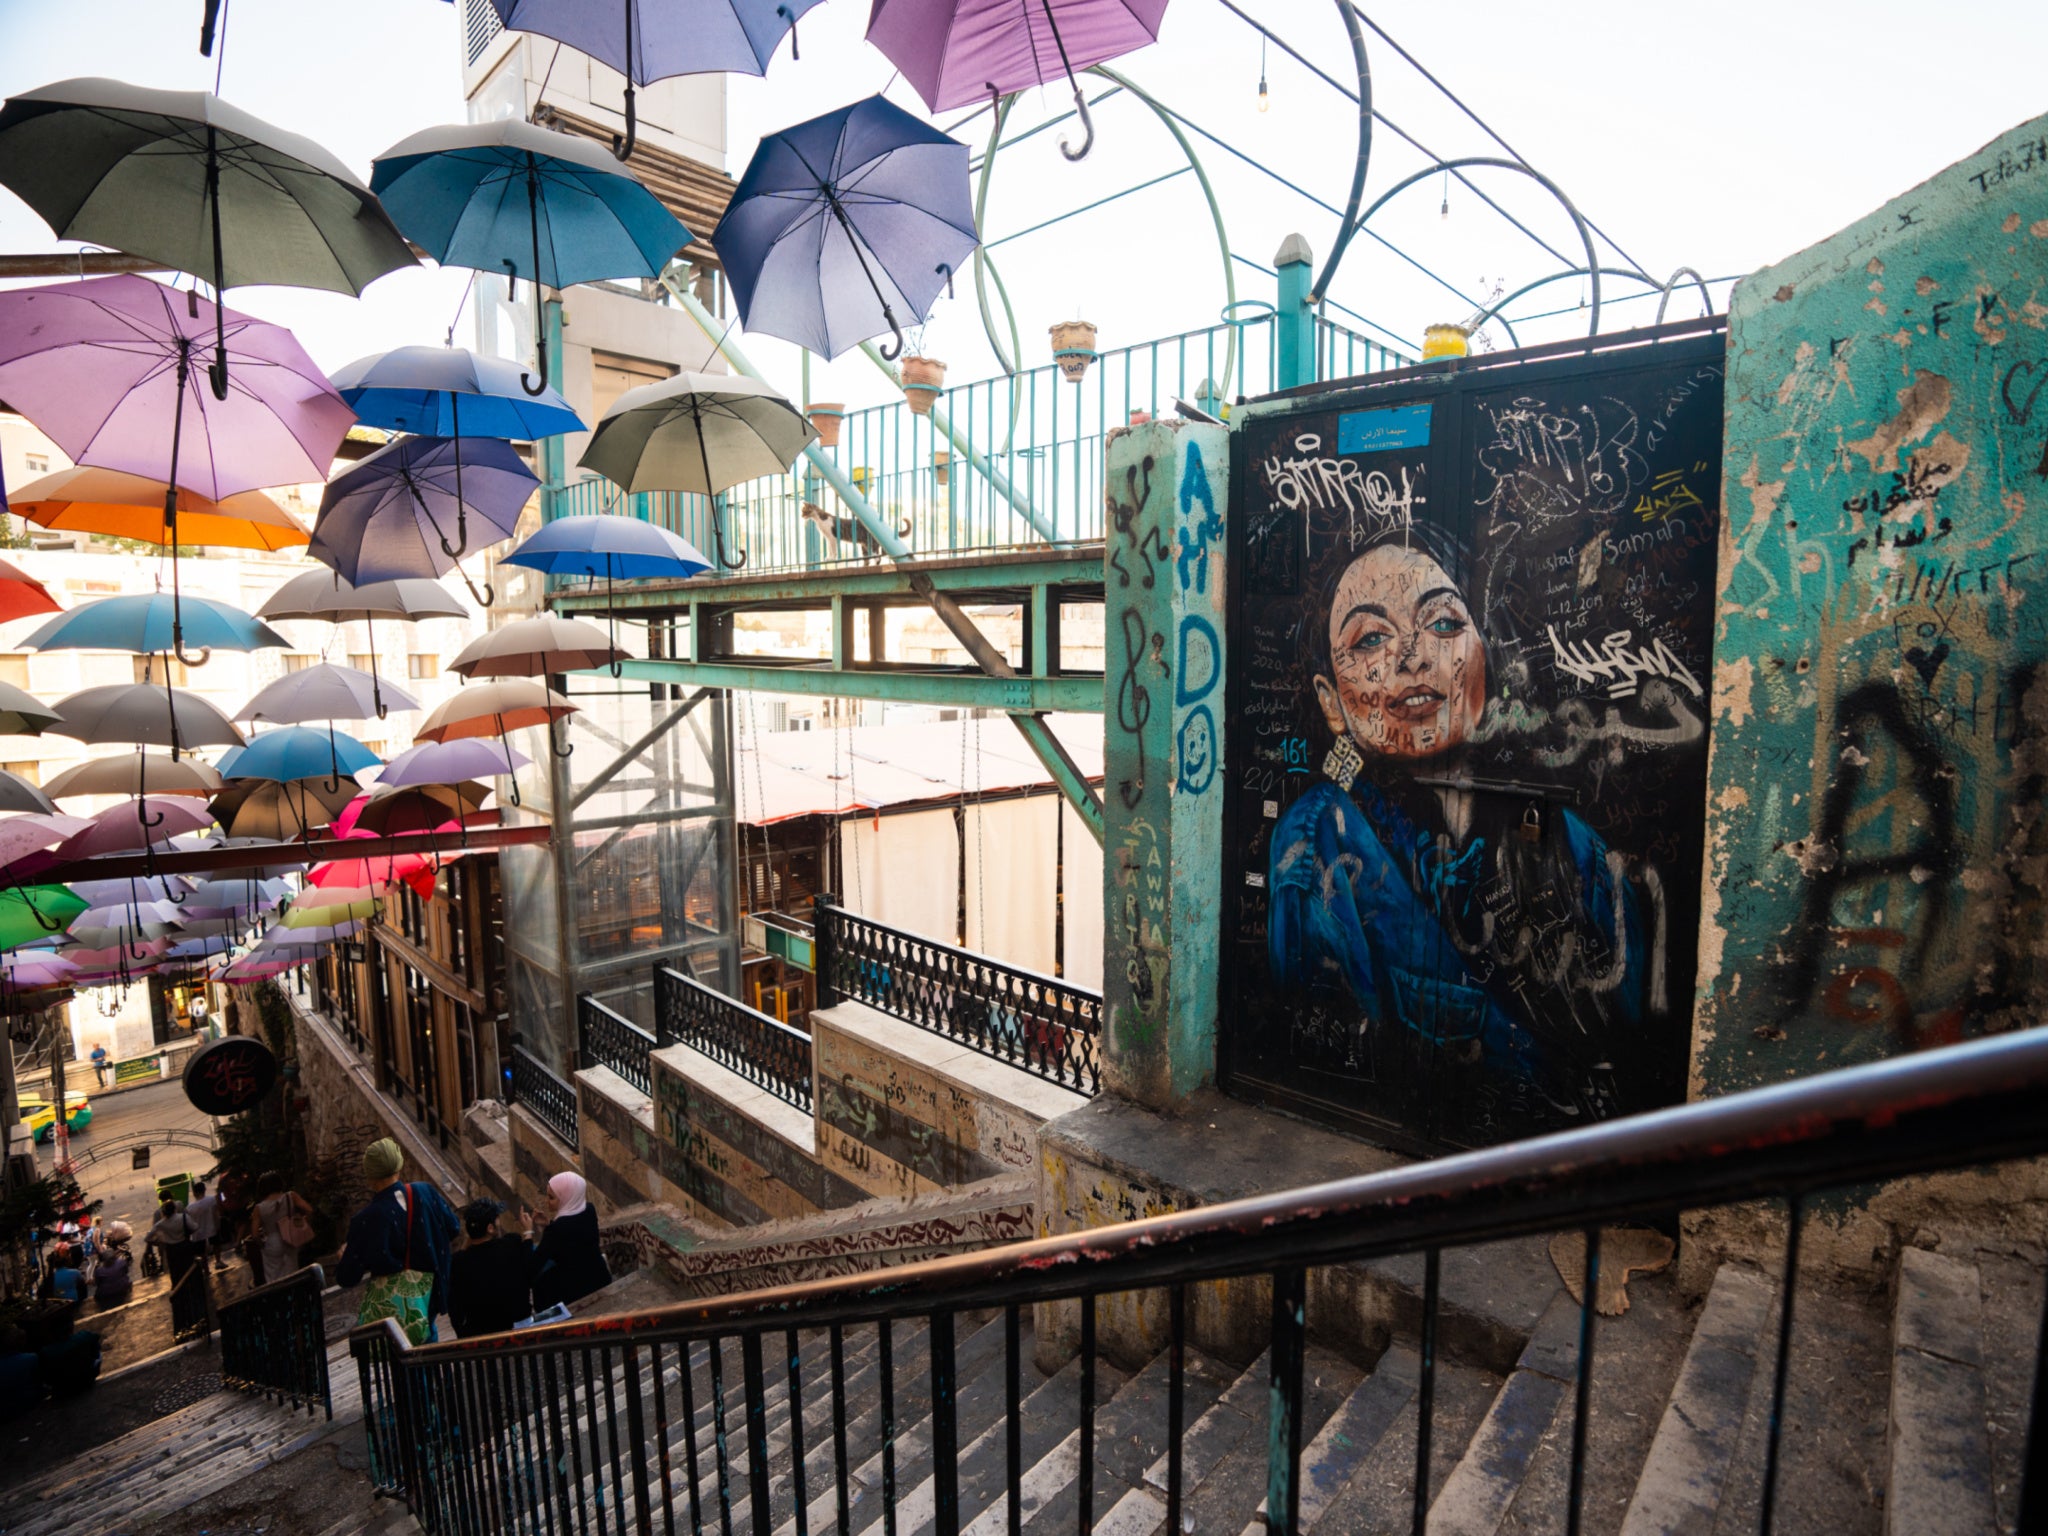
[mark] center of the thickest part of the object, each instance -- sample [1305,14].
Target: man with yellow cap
[401,1242]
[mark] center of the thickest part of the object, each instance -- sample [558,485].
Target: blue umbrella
[296,752]
[649,42]
[616,548]
[443,391]
[147,623]
[844,222]
[544,206]
[385,518]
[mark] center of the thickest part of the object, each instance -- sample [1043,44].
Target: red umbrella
[21,595]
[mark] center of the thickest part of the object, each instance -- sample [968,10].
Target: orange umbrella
[85,500]
[492,709]
[20,593]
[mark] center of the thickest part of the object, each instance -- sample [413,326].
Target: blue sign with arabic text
[1394,426]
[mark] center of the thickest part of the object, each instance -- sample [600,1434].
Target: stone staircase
[1899,1417]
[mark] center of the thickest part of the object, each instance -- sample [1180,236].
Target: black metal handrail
[1042,1024]
[273,1342]
[763,1050]
[607,1038]
[1963,1106]
[535,1086]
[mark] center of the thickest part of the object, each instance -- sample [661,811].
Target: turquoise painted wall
[1877,855]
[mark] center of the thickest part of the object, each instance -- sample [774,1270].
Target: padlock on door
[1531,829]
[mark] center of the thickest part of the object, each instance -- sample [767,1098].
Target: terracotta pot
[1073,348]
[942,465]
[923,378]
[1139,418]
[826,417]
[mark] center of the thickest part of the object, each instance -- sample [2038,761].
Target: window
[421,665]
[361,660]
[31,771]
[14,668]
[299,663]
[611,376]
[38,463]
[154,669]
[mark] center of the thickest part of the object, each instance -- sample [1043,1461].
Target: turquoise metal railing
[1042,436]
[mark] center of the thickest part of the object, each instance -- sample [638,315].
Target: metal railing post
[825,948]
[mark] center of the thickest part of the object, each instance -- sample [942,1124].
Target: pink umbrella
[35,830]
[143,823]
[108,959]
[37,968]
[382,870]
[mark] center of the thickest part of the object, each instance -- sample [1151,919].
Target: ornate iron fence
[764,1051]
[273,1342]
[545,1094]
[606,1038]
[1046,1026]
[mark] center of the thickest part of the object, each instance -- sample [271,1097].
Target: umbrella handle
[143,817]
[890,354]
[564,751]
[1087,122]
[534,387]
[189,658]
[622,147]
[483,598]
[790,16]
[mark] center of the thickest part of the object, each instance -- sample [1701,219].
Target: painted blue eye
[1372,640]
[1447,625]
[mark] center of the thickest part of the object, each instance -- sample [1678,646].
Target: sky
[1722,138]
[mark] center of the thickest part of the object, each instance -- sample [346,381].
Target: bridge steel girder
[1075,566]
[963,689]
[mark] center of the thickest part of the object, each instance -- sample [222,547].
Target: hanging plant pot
[942,465]
[1073,348]
[826,417]
[923,378]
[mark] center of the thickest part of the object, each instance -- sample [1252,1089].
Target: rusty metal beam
[206,861]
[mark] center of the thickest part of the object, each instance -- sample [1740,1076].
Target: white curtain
[1011,905]
[1083,886]
[903,871]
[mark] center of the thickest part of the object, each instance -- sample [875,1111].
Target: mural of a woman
[1492,925]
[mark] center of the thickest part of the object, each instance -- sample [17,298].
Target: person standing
[99,1064]
[400,1243]
[278,1226]
[184,1260]
[487,1290]
[568,1264]
[196,1013]
[203,1216]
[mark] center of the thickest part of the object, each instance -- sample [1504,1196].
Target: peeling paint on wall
[1881,651]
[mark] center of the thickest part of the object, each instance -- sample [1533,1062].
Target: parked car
[41,1115]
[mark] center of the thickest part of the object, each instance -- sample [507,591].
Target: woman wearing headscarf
[568,1265]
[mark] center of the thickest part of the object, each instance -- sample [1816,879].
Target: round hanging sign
[229,1075]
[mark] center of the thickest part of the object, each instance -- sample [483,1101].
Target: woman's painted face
[1410,669]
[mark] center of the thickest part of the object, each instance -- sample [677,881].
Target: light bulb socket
[1264,100]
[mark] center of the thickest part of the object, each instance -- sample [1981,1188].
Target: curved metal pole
[1496,163]
[983,260]
[1705,295]
[1346,228]
[1494,313]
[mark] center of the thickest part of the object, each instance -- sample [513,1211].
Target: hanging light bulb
[1265,101]
[1445,211]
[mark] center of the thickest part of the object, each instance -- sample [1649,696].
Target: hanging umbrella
[390,516]
[296,752]
[446,391]
[322,914]
[543,206]
[281,810]
[424,808]
[325,594]
[325,933]
[23,714]
[125,506]
[148,822]
[23,835]
[104,368]
[413,869]
[205,188]
[339,895]
[117,950]
[28,968]
[100,927]
[327,691]
[954,52]
[847,226]
[450,762]
[17,794]
[21,595]
[649,42]
[145,714]
[227,897]
[32,912]
[101,893]
[534,648]
[701,433]
[616,548]
[148,623]
[136,773]
[493,709]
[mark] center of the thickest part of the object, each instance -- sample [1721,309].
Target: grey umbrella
[17,794]
[185,179]
[145,713]
[23,714]
[326,594]
[323,692]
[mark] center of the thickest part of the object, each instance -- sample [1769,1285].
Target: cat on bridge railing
[847,530]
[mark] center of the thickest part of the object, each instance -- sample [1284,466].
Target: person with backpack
[401,1244]
[279,1227]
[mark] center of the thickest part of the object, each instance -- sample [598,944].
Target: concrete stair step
[1488,1476]
[1340,1448]
[1939,1446]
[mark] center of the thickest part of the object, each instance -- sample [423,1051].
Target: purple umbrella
[450,762]
[105,368]
[957,51]
[389,517]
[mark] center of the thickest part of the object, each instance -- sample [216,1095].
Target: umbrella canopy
[199,185]
[312,912]
[23,714]
[536,647]
[326,594]
[111,501]
[118,923]
[446,391]
[136,773]
[698,432]
[225,896]
[847,226]
[413,869]
[116,951]
[450,762]
[143,823]
[296,752]
[32,912]
[17,794]
[957,52]
[281,810]
[146,714]
[21,595]
[509,196]
[604,545]
[30,968]
[492,709]
[146,623]
[404,511]
[327,691]
[132,888]
[424,808]
[34,831]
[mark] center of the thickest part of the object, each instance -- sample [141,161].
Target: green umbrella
[31,912]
